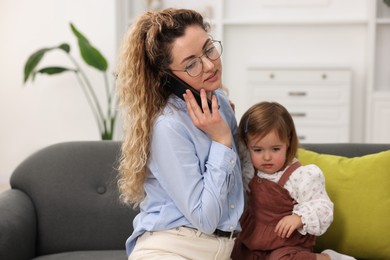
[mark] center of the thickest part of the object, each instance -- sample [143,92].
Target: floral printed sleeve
[307,186]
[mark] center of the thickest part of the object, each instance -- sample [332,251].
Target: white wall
[52,109]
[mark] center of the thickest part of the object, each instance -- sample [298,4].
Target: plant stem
[107,87]
[89,101]
[108,96]
[90,89]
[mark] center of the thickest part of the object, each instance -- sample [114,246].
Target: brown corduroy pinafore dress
[268,202]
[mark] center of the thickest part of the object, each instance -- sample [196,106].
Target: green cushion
[360,190]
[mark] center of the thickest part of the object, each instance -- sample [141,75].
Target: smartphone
[178,87]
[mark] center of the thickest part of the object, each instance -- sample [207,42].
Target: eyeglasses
[212,51]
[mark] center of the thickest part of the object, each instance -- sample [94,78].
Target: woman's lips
[213,77]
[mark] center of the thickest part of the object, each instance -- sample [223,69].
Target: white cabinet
[378,87]
[211,10]
[318,99]
[290,32]
[222,14]
[380,119]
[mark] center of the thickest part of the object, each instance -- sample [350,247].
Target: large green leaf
[54,70]
[36,57]
[32,63]
[65,47]
[49,71]
[90,54]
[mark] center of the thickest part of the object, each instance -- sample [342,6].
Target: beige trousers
[181,243]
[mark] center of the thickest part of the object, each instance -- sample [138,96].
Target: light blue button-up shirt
[192,180]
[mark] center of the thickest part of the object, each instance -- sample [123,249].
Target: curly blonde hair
[143,59]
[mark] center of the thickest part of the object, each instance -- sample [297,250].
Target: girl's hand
[287,225]
[210,122]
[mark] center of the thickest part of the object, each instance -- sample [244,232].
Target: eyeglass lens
[213,51]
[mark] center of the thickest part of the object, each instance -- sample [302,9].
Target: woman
[179,160]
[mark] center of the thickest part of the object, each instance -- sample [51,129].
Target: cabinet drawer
[296,94]
[277,76]
[317,98]
[323,134]
[319,115]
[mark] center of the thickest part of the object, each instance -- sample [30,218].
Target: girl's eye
[276,149]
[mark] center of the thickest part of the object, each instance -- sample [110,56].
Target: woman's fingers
[210,122]
[205,104]
[189,99]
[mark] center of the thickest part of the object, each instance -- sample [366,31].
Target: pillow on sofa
[360,190]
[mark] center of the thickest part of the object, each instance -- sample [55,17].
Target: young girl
[179,160]
[288,205]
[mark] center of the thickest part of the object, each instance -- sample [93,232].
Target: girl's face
[186,49]
[267,154]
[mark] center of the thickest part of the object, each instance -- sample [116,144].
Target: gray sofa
[64,204]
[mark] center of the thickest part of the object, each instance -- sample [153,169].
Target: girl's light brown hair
[144,57]
[264,117]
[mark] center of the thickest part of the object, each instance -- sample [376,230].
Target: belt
[220,233]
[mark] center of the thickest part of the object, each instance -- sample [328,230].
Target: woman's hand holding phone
[211,122]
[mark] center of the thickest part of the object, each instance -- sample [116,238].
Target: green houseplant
[92,57]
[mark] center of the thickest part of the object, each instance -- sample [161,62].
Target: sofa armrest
[17,226]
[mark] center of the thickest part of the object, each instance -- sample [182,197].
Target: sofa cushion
[360,190]
[73,188]
[86,255]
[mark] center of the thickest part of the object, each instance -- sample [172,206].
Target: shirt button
[232,206]
[231,228]
[232,161]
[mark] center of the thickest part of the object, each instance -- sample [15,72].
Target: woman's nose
[207,63]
